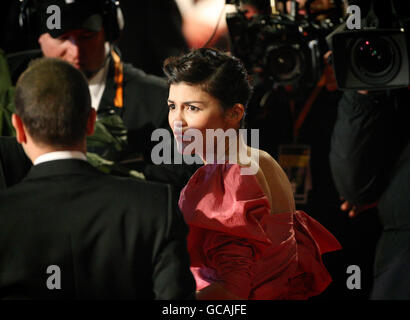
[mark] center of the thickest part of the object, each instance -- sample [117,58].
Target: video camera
[280,48]
[376,56]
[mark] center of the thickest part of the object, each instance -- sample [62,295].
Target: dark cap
[75,14]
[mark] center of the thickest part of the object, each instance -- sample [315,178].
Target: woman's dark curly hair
[220,75]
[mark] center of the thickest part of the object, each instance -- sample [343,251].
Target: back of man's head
[53,101]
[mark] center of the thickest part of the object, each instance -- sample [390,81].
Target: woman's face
[193,108]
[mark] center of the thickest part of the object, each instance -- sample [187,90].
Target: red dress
[233,238]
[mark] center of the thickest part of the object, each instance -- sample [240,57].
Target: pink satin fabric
[233,239]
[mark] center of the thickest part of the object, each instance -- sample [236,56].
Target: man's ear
[235,115]
[20,129]
[91,122]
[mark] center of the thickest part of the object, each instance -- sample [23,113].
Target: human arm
[231,258]
[361,146]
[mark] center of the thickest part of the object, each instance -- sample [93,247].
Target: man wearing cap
[129,103]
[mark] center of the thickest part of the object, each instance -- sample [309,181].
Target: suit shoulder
[141,193]
[142,202]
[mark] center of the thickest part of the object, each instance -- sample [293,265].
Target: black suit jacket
[111,237]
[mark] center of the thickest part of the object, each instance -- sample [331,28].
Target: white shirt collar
[60,155]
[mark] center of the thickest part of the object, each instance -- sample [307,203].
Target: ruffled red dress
[233,238]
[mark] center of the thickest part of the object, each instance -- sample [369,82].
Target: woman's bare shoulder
[277,182]
[265,156]
[267,162]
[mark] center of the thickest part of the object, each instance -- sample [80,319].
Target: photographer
[370,162]
[130,104]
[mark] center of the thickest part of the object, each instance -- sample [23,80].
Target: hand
[355,210]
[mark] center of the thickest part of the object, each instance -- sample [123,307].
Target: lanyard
[118,79]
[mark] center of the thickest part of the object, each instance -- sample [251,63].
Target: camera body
[376,56]
[371,59]
[278,48]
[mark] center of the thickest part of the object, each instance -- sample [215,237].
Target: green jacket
[6,98]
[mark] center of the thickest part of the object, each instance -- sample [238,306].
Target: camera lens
[374,55]
[374,60]
[284,63]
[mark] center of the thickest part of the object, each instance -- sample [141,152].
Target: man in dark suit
[68,231]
